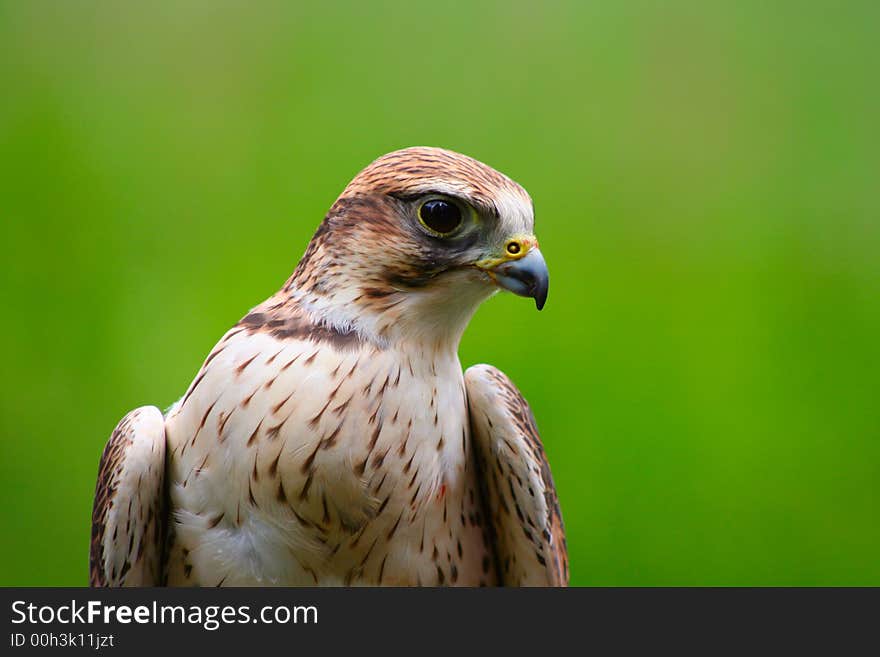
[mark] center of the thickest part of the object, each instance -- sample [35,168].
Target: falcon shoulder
[518,487]
[128,519]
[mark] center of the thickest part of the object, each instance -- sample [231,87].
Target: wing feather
[519,491]
[128,518]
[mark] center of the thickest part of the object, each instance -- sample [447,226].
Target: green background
[705,374]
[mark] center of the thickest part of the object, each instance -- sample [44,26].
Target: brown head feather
[370,262]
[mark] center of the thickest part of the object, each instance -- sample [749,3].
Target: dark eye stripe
[440,216]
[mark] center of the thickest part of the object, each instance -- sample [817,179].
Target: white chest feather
[294,462]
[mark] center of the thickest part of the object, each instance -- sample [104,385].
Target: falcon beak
[526,276]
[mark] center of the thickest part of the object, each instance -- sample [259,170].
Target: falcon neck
[416,322]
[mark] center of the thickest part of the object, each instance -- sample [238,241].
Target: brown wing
[129,518]
[519,491]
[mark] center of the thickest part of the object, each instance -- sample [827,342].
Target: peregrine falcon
[330,438]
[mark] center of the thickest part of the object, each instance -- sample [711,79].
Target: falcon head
[415,243]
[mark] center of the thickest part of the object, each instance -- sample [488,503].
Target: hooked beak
[527,276]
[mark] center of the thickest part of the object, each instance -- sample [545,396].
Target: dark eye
[440,216]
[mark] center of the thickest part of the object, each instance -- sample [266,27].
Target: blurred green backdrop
[706,175]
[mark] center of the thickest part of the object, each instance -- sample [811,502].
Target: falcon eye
[440,216]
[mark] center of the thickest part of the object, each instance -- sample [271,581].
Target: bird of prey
[330,437]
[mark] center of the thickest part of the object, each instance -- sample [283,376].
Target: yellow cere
[521,245]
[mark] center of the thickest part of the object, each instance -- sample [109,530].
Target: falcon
[331,438]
